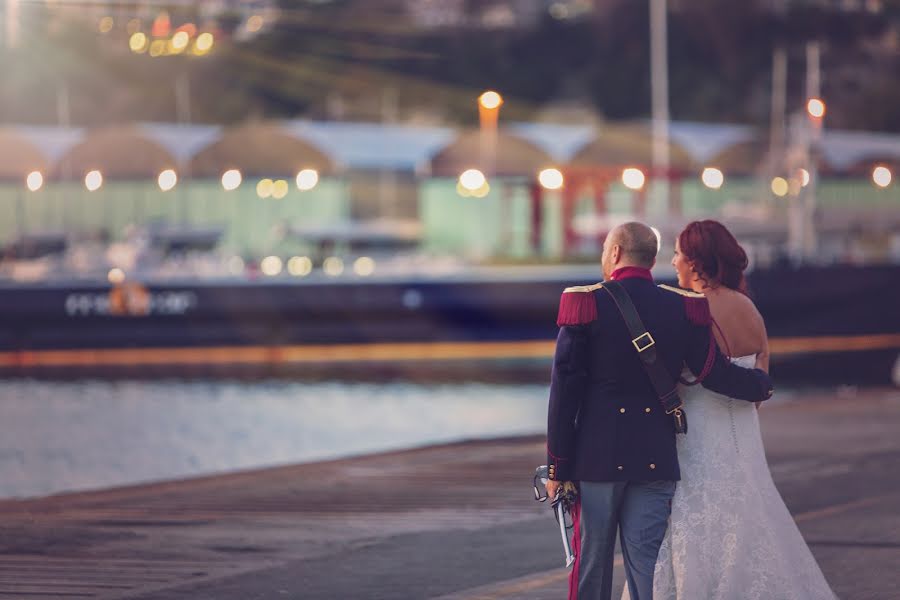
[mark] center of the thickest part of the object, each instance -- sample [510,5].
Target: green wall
[497,225]
[247,219]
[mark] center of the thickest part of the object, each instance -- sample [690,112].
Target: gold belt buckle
[639,345]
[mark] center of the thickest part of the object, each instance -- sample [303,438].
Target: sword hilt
[561,504]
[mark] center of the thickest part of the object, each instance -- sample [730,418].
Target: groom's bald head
[629,245]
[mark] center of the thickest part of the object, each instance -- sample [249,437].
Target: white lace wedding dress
[730,535]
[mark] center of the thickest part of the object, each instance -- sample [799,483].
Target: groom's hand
[552,488]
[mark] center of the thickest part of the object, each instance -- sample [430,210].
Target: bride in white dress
[730,534]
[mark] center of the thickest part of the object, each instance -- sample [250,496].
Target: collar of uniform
[631,272]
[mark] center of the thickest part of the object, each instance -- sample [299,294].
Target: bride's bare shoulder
[732,301]
[739,322]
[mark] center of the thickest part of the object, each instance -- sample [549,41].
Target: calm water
[72,436]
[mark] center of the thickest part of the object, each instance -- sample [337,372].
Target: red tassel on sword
[576,549]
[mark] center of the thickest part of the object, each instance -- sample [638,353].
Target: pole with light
[635,180]
[712,178]
[167,180]
[33,182]
[489,104]
[231,181]
[659,90]
[815,108]
[93,181]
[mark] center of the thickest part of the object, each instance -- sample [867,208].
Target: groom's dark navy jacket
[605,421]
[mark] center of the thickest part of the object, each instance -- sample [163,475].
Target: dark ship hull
[826,324]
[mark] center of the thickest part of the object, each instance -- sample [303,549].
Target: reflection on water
[82,435]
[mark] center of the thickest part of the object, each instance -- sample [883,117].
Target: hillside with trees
[328,60]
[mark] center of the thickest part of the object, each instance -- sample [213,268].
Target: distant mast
[777,122]
[659,86]
[12,23]
[813,151]
[805,153]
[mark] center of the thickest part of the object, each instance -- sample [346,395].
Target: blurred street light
[138,42]
[472,180]
[204,43]
[490,100]
[231,180]
[167,180]
[279,189]
[179,42]
[116,275]
[712,178]
[881,176]
[93,180]
[34,181]
[333,266]
[816,108]
[307,179]
[271,266]
[804,177]
[161,25]
[299,266]
[551,179]
[106,25]
[264,188]
[157,48]
[364,266]
[780,186]
[633,178]
[255,23]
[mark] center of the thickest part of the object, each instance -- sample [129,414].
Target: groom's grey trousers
[640,511]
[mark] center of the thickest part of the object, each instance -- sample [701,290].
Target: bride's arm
[762,357]
[719,374]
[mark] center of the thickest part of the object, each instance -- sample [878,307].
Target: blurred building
[493,14]
[242,16]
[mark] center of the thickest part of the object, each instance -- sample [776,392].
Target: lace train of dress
[730,535]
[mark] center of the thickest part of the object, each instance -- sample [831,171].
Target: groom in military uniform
[606,428]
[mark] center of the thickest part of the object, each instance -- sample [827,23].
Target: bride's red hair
[714,254]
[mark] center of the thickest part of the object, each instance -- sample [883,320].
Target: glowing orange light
[816,108]
[161,25]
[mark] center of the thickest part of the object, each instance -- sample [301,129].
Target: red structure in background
[598,179]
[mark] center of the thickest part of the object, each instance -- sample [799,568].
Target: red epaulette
[577,305]
[696,306]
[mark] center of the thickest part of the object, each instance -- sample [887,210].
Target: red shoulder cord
[724,339]
[710,356]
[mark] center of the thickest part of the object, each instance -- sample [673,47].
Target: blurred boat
[396,312]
